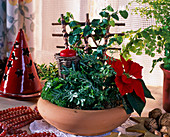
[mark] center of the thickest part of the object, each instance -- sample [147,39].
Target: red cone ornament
[20,77]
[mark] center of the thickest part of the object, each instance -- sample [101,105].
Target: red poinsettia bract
[128,76]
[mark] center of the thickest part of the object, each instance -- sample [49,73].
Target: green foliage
[109,8]
[104,14]
[112,23]
[136,102]
[67,17]
[155,38]
[146,91]
[47,72]
[115,16]
[97,27]
[90,85]
[87,30]
[95,22]
[123,13]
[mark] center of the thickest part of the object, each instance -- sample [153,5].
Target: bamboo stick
[64,31]
[83,23]
[86,37]
[111,34]
[92,48]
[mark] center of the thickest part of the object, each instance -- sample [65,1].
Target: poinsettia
[129,81]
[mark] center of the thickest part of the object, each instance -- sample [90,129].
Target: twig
[94,40]
[79,40]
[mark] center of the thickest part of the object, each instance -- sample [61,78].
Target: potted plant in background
[47,72]
[100,92]
[152,40]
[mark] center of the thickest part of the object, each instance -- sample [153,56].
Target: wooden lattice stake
[78,41]
[86,37]
[94,40]
[106,37]
[63,23]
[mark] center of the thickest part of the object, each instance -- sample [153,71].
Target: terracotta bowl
[82,122]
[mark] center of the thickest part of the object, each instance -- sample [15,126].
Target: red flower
[124,87]
[132,68]
[116,64]
[127,77]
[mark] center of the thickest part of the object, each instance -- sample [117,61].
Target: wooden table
[8,103]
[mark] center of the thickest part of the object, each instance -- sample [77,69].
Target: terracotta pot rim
[161,66]
[82,110]
[82,122]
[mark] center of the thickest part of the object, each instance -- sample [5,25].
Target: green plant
[97,85]
[98,81]
[155,38]
[47,72]
[89,86]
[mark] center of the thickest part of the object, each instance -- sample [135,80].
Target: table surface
[150,103]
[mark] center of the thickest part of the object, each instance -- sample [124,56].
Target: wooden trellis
[65,35]
[67,61]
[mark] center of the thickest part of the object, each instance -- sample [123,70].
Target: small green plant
[155,38]
[89,86]
[47,72]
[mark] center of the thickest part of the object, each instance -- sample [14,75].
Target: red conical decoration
[20,77]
